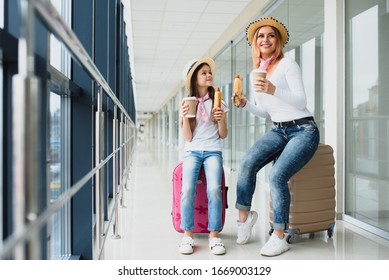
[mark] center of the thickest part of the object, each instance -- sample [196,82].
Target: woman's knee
[273,177]
[277,177]
[246,166]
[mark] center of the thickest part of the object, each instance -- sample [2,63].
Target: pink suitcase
[201,201]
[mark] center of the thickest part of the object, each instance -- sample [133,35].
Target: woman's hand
[239,101]
[261,84]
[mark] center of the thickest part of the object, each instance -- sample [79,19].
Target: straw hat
[191,67]
[268,21]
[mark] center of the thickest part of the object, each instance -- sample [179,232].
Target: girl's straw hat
[268,21]
[191,67]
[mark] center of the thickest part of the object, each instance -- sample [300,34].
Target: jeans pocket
[311,126]
[187,154]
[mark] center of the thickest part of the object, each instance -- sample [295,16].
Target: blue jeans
[291,148]
[213,167]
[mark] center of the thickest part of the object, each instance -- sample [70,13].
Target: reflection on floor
[147,233]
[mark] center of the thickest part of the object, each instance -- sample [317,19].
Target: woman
[290,143]
[202,137]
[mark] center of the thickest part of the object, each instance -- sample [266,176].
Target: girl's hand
[217,114]
[264,85]
[184,109]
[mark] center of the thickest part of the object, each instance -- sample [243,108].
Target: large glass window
[59,55]
[176,118]
[59,139]
[1,13]
[367,121]
[222,79]
[308,72]
[55,184]
[1,118]
[1,141]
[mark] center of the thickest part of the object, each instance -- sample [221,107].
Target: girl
[202,136]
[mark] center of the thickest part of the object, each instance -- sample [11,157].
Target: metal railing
[25,242]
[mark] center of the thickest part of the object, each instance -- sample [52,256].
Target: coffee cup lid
[189,98]
[259,70]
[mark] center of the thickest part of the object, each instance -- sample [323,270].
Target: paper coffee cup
[259,73]
[192,102]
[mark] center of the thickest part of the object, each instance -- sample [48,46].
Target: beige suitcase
[312,191]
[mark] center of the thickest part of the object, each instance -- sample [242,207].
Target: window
[1,118]
[1,141]
[1,13]
[308,72]
[59,139]
[59,55]
[55,184]
[222,79]
[367,119]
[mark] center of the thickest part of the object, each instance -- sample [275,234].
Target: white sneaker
[186,246]
[275,246]
[244,229]
[216,245]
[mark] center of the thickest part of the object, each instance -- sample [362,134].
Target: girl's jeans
[291,148]
[213,167]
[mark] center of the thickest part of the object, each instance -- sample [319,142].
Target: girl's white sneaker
[186,246]
[217,247]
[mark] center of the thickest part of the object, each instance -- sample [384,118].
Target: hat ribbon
[201,112]
[264,64]
[190,67]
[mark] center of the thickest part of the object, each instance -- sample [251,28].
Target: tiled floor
[147,233]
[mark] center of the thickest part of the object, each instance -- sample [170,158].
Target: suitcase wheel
[290,238]
[330,231]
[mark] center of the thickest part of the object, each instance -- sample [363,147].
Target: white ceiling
[166,35]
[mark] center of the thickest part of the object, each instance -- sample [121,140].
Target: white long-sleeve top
[289,100]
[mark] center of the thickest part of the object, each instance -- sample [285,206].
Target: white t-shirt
[289,100]
[206,134]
